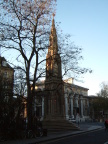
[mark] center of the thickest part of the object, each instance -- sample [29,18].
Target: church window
[4,63]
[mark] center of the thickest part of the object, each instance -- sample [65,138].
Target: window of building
[4,63]
[5,74]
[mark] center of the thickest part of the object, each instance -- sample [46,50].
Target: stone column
[66,106]
[88,108]
[76,100]
[42,107]
[81,106]
[88,102]
[49,108]
[71,102]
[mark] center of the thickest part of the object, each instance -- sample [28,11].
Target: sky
[87,22]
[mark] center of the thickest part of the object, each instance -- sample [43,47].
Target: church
[59,100]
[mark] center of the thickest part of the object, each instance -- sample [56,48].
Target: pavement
[84,127]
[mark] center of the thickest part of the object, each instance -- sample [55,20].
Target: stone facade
[7,78]
[77,101]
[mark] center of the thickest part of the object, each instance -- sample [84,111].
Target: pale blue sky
[87,22]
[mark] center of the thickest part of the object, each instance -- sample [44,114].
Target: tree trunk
[29,109]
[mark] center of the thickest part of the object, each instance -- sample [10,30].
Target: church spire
[53,38]
[53,60]
[53,23]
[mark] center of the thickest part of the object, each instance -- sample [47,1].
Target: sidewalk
[55,135]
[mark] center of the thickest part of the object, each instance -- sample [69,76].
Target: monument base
[58,125]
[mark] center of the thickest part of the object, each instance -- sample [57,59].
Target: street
[96,137]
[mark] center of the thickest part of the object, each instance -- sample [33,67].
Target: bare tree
[24,27]
[20,87]
[71,56]
[104,90]
[24,31]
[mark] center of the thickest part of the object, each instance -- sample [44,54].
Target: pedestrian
[39,127]
[106,125]
[78,119]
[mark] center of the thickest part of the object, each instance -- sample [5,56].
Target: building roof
[76,86]
[3,63]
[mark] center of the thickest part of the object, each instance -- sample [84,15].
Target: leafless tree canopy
[24,30]
[104,90]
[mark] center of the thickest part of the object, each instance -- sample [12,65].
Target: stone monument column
[56,96]
[66,106]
